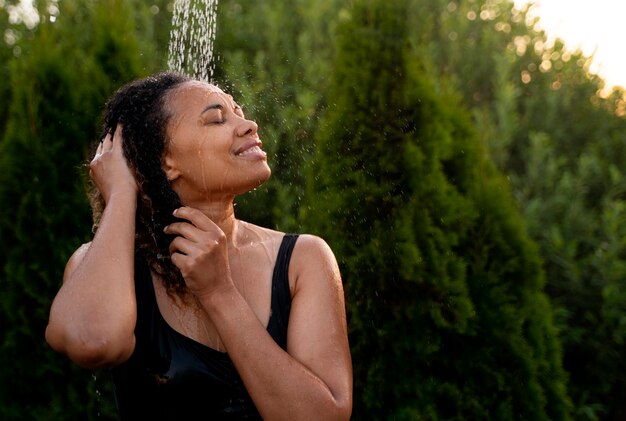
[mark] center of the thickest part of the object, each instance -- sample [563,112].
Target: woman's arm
[313,379]
[92,318]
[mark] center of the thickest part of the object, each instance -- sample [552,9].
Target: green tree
[11,33]
[58,87]
[6,54]
[561,144]
[447,315]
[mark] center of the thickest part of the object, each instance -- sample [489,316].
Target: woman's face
[214,151]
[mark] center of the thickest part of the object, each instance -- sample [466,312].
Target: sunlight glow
[595,28]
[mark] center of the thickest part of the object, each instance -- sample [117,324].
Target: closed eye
[215,119]
[213,115]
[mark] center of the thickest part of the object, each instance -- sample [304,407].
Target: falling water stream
[190,51]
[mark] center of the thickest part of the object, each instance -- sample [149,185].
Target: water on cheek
[202,162]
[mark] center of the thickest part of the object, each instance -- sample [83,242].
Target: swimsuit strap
[281,295]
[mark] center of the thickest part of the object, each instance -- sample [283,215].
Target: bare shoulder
[313,261]
[312,257]
[75,259]
[312,246]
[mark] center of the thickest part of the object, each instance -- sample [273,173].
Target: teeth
[254,149]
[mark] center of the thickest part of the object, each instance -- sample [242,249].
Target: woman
[198,314]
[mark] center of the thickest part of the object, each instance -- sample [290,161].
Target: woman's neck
[222,214]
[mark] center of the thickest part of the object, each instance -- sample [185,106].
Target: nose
[247,128]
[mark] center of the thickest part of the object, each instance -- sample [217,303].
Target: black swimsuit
[170,376]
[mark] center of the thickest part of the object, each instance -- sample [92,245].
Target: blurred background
[466,167]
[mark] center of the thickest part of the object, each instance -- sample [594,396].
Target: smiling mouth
[255,150]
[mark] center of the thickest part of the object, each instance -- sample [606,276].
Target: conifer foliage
[57,90]
[447,315]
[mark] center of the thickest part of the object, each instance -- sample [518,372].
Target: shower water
[190,51]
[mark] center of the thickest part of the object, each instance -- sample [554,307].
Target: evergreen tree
[12,32]
[561,144]
[446,311]
[535,103]
[6,54]
[58,89]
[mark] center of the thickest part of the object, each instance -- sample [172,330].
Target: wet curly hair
[141,108]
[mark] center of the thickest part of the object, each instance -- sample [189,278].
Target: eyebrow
[216,106]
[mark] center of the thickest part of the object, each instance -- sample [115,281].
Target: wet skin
[213,155]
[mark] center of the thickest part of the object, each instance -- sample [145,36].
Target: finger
[177,259]
[183,246]
[105,143]
[182,262]
[118,137]
[185,229]
[197,218]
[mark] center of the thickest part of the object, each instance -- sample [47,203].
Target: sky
[597,27]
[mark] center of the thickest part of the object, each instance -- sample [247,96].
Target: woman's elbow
[90,352]
[337,408]
[343,409]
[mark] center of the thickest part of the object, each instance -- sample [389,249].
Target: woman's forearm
[280,386]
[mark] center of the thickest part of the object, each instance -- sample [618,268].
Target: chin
[264,177]
[256,180]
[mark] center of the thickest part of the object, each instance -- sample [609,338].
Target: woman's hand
[200,251]
[109,169]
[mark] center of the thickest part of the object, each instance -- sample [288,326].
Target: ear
[171,169]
